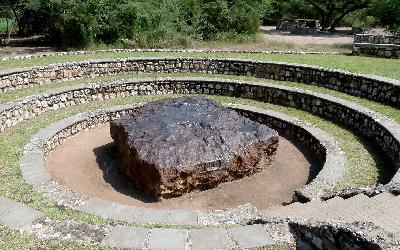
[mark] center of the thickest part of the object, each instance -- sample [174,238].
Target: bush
[139,23]
[215,18]
[152,24]
[245,18]
[386,14]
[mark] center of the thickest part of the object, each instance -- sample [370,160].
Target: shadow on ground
[109,161]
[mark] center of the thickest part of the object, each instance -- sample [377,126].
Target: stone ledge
[378,89]
[241,237]
[48,138]
[16,215]
[372,125]
[252,236]
[88,52]
[393,188]
[19,217]
[377,45]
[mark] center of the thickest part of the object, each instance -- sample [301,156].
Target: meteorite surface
[174,146]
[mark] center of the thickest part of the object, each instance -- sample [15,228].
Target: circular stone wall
[89,163]
[369,124]
[380,89]
[33,167]
[383,131]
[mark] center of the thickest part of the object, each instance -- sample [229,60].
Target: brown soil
[89,164]
[342,36]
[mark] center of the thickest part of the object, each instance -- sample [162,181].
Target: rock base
[175,146]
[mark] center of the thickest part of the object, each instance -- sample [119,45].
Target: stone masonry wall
[318,143]
[383,131]
[290,131]
[320,236]
[376,45]
[376,39]
[379,89]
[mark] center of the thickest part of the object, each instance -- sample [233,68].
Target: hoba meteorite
[174,146]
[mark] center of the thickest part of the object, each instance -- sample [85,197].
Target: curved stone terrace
[319,212]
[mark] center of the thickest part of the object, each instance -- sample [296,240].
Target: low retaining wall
[376,45]
[383,131]
[376,39]
[88,52]
[320,236]
[375,88]
[34,171]
[322,146]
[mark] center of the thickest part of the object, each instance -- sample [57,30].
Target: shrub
[245,18]
[387,14]
[139,23]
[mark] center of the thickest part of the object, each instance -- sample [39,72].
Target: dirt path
[270,34]
[88,163]
[271,40]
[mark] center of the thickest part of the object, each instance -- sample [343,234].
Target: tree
[15,6]
[386,13]
[332,12]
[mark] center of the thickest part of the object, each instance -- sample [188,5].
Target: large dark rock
[174,146]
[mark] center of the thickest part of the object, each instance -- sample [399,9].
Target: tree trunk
[336,22]
[17,19]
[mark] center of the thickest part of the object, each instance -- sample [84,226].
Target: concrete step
[352,206]
[282,210]
[326,210]
[333,209]
[383,197]
[384,212]
[363,208]
[296,211]
[241,237]
[16,215]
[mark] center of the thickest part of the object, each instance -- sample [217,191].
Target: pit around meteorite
[174,146]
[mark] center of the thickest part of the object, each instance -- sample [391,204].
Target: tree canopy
[150,23]
[169,23]
[330,13]
[386,14]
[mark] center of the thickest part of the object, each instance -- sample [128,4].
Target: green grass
[376,66]
[381,108]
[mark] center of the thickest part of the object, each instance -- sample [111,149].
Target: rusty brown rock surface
[174,146]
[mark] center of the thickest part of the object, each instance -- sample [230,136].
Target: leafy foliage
[330,13]
[139,23]
[386,14]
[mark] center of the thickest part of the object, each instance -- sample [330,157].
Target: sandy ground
[272,39]
[89,163]
[25,50]
[340,37]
